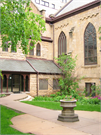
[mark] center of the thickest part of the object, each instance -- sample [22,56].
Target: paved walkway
[41,121]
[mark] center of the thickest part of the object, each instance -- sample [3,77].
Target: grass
[56,105]
[88,107]
[45,104]
[6,115]
[2,95]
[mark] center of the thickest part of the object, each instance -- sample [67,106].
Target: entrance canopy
[44,66]
[16,73]
[15,66]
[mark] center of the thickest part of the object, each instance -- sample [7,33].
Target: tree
[18,23]
[68,82]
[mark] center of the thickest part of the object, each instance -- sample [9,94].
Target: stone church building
[72,30]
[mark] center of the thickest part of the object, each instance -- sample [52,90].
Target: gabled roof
[11,65]
[73,4]
[63,15]
[44,66]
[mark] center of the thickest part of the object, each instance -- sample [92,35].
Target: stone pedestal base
[73,118]
[67,114]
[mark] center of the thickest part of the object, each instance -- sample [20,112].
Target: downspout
[100,72]
[37,83]
[53,42]
[37,74]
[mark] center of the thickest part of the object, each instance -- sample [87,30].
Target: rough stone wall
[75,43]
[49,31]
[46,51]
[12,55]
[46,47]
[33,84]
[34,9]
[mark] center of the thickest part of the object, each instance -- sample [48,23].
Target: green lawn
[6,115]
[2,95]
[56,105]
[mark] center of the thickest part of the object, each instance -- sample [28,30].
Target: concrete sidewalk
[41,121]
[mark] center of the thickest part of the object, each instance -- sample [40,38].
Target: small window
[42,2]
[56,84]
[5,47]
[46,4]
[43,84]
[37,1]
[31,49]
[90,89]
[38,50]
[53,6]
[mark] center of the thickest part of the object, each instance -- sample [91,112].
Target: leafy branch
[18,23]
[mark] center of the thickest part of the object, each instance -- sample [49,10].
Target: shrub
[57,99]
[52,95]
[89,100]
[58,93]
[68,82]
[41,98]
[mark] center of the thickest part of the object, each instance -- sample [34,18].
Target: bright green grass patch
[2,95]
[88,107]
[6,115]
[45,104]
[56,105]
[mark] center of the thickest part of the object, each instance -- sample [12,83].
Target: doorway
[16,83]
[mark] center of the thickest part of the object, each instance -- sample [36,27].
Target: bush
[57,99]
[89,101]
[41,98]
[2,95]
[52,95]
[58,93]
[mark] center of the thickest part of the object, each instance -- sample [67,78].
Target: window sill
[90,66]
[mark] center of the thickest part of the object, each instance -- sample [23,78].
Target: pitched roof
[15,65]
[44,66]
[30,66]
[73,4]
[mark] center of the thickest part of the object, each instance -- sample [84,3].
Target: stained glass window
[5,48]
[90,46]
[38,53]
[62,41]
[31,49]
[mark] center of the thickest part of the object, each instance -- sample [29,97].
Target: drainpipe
[37,83]
[100,76]
[37,74]
[100,69]
[53,42]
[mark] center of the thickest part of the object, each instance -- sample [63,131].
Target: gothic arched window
[5,47]
[38,50]
[62,41]
[90,45]
[31,52]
